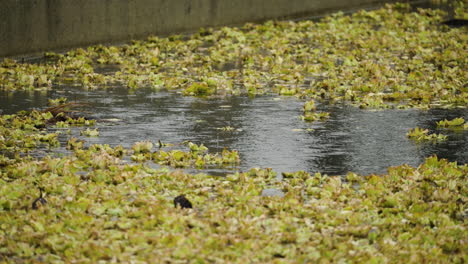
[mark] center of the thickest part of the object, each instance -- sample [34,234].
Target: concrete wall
[32,26]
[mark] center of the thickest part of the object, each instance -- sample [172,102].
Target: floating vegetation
[418,134]
[142,147]
[200,89]
[95,198]
[315,116]
[310,115]
[74,143]
[57,101]
[197,157]
[90,132]
[25,131]
[67,113]
[454,124]
[161,144]
[102,208]
[226,128]
[309,106]
[288,91]
[386,58]
[196,148]
[387,218]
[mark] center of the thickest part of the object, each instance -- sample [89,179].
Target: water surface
[267,130]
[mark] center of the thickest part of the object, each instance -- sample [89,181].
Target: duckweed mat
[100,203]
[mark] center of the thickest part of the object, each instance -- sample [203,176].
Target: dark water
[268,131]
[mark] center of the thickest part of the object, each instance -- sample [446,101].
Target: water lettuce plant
[392,57]
[90,132]
[197,157]
[200,89]
[310,113]
[454,124]
[100,209]
[142,147]
[314,116]
[94,205]
[25,131]
[419,134]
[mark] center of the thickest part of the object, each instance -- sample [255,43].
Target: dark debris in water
[182,202]
[40,201]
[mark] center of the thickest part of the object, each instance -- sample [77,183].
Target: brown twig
[63,108]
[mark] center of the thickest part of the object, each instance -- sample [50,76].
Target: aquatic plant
[226,128]
[74,143]
[142,147]
[25,131]
[80,121]
[94,193]
[196,148]
[315,116]
[18,76]
[360,59]
[57,101]
[309,106]
[310,114]
[90,132]
[389,218]
[456,123]
[161,144]
[195,157]
[288,91]
[418,134]
[199,89]
[93,205]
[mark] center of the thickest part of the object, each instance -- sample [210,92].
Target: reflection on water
[268,132]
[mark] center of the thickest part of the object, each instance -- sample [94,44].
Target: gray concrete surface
[34,26]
